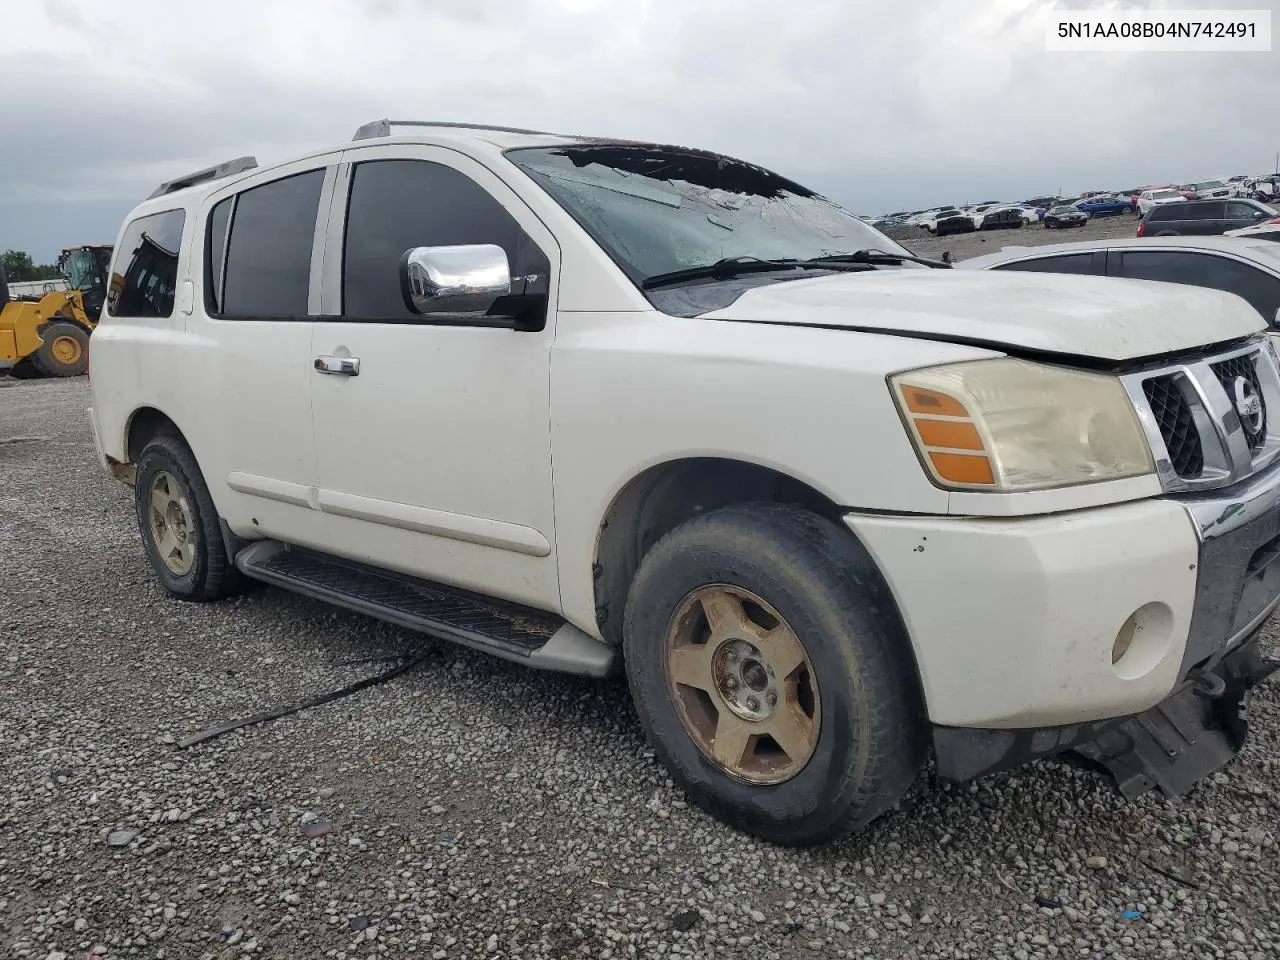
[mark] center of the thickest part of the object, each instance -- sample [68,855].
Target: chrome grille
[1207,419]
[1177,426]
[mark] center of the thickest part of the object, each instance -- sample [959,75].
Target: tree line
[18,266]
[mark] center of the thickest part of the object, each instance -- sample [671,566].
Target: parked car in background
[1203,217]
[1043,202]
[1267,230]
[1001,216]
[1204,190]
[1263,189]
[1104,205]
[1249,268]
[1153,198]
[952,221]
[1066,215]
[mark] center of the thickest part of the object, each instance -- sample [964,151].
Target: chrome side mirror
[462,280]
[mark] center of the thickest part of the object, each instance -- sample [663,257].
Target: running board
[507,630]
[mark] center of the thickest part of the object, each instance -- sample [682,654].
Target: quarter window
[145,275]
[396,205]
[267,269]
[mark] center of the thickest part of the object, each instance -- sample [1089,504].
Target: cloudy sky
[880,104]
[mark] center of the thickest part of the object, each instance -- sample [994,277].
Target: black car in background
[1203,217]
[1066,215]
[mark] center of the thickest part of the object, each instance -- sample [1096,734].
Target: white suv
[592,405]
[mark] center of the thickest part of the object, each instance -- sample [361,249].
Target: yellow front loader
[49,335]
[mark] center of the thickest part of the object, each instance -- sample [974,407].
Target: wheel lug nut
[753,703]
[731,683]
[731,655]
[773,699]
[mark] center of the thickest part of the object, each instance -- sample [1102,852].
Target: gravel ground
[965,245]
[474,809]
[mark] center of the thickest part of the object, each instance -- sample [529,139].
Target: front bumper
[1013,624]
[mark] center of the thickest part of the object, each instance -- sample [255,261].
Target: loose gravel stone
[558,835]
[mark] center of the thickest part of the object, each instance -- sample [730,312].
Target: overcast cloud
[879,104]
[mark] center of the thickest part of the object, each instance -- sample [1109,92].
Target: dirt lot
[965,245]
[478,810]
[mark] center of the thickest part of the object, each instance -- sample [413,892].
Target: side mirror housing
[462,281]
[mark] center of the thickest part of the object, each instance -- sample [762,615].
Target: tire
[209,574]
[868,735]
[1048,225]
[65,351]
[1168,233]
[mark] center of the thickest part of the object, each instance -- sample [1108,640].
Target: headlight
[1005,425]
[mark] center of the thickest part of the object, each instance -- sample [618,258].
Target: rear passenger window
[1204,270]
[1067,263]
[1205,210]
[267,269]
[144,275]
[396,205]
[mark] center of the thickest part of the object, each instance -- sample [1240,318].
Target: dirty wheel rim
[65,350]
[169,517]
[742,684]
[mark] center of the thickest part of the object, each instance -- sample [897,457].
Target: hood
[1078,316]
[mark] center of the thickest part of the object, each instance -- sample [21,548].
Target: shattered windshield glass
[661,209]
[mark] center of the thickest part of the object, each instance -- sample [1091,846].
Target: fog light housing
[1142,641]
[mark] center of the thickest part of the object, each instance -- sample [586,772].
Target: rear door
[435,459]
[259,290]
[1205,217]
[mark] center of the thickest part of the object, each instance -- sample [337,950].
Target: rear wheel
[771,674]
[179,524]
[65,351]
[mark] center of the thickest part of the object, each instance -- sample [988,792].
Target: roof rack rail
[227,169]
[382,128]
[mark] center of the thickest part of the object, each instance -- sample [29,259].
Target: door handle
[341,366]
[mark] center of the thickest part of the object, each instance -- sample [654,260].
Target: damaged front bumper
[1172,746]
[1201,724]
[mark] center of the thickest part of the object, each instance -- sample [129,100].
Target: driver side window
[395,205]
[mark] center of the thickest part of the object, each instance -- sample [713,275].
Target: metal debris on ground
[219,730]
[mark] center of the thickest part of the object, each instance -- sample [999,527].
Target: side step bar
[510,631]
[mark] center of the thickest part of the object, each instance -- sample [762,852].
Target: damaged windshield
[659,210]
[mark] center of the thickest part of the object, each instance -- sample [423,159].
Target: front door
[435,455]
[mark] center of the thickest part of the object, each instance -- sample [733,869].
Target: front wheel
[772,675]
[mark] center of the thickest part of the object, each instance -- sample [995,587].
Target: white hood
[1101,317]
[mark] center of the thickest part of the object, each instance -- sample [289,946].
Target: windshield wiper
[879,256]
[731,267]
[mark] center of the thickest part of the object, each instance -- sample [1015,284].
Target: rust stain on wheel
[742,684]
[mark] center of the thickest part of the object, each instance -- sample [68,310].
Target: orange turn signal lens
[962,468]
[944,433]
[919,400]
[951,434]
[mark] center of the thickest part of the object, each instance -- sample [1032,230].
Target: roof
[192,187]
[1250,249]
